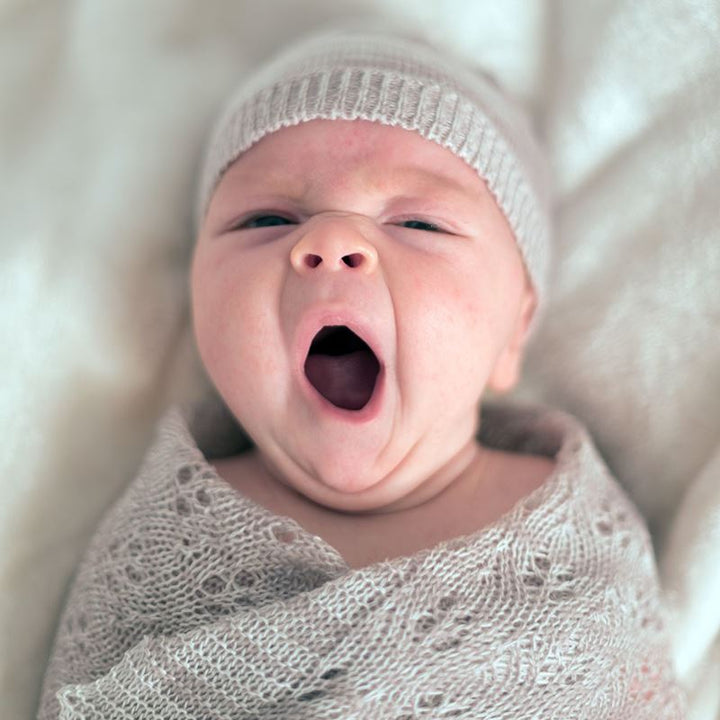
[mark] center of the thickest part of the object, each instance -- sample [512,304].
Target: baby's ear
[508,367]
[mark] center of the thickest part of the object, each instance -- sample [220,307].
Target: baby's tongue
[345,380]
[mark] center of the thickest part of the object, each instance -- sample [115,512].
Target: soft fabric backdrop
[103,110]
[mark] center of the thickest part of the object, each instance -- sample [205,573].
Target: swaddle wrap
[193,601]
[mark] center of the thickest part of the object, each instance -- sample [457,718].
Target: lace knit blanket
[194,602]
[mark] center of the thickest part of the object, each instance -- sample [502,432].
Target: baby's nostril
[353,260]
[312,261]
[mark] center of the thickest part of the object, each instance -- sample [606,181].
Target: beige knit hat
[395,81]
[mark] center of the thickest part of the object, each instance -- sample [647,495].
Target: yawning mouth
[342,367]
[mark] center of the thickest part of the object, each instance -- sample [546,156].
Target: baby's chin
[361,486]
[356,486]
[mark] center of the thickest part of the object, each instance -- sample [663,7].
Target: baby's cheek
[459,313]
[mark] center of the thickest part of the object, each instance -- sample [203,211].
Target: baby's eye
[420,225]
[263,220]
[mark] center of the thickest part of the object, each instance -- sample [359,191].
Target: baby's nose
[333,244]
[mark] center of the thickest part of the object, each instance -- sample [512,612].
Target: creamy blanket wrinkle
[193,601]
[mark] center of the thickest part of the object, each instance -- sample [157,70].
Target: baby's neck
[491,485]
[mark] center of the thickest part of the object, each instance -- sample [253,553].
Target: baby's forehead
[353,150]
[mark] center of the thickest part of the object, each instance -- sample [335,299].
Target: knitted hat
[396,81]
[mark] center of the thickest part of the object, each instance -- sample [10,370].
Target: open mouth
[342,367]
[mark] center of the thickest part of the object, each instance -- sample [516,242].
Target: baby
[371,259]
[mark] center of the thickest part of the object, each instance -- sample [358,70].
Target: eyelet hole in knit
[533,580]
[425,623]
[244,579]
[446,644]
[604,527]
[202,497]
[284,534]
[134,575]
[213,584]
[333,673]
[311,695]
[447,602]
[184,474]
[564,576]
[216,609]
[430,700]
[182,506]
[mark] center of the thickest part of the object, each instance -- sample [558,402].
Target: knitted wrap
[399,82]
[195,602]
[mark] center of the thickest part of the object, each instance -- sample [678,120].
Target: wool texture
[194,601]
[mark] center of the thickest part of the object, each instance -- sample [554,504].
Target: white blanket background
[104,106]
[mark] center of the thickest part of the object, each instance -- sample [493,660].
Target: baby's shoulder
[531,470]
[516,475]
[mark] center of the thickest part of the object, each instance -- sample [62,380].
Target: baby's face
[396,243]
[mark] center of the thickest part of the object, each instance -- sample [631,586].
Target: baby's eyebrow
[275,180]
[424,178]
[399,175]
[404,182]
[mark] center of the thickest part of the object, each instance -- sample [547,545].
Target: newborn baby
[371,259]
[355,289]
